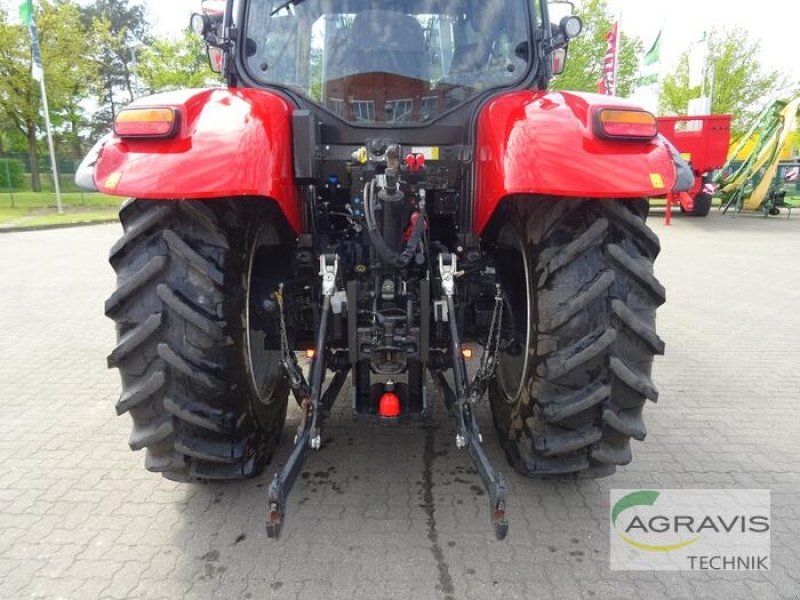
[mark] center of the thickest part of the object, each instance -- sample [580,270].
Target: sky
[776,23]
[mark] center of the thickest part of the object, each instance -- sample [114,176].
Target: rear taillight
[625,124]
[146,123]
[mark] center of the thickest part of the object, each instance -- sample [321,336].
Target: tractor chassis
[459,398]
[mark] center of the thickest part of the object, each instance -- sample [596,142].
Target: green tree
[68,72]
[585,54]
[738,82]
[174,64]
[118,28]
[11,140]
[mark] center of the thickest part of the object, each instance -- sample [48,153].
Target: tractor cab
[386,65]
[396,66]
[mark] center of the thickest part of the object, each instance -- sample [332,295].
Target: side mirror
[208,25]
[559,60]
[216,58]
[568,28]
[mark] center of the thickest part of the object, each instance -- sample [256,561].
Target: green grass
[48,199]
[39,209]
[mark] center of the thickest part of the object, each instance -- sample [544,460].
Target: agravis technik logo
[645,498]
[690,529]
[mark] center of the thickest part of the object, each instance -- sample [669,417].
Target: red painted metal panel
[703,140]
[232,142]
[543,143]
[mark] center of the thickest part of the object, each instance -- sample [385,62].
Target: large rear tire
[200,375]
[579,336]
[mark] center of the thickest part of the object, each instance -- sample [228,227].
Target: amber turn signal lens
[630,124]
[146,122]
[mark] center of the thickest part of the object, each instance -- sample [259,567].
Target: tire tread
[594,321]
[182,375]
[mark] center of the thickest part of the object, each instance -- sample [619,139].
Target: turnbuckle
[468,433]
[308,432]
[487,366]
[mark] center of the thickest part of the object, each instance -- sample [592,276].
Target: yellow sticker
[113,179]
[687,156]
[656,181]
[429,152]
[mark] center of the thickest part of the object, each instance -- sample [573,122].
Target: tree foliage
[174,64]
[68,72]
[119,28]
[585,55]
[741,85]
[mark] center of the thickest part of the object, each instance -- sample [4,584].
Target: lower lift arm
[308,433]
[468,433]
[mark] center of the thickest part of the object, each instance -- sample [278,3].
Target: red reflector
[618,123]
[145,122]
[389,405]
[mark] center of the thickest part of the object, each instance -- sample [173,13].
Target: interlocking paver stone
[80,518]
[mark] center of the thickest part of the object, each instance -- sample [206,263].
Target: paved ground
[80,518]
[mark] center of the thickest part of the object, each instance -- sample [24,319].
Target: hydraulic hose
[387,254]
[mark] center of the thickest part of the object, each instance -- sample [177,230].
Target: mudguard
[543,144]
[232,142]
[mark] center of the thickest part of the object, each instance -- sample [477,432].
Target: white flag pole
[37,72]
[51,146]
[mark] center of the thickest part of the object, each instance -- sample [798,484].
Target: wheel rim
[261,362]
[514,273]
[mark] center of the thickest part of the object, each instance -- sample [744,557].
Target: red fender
[232,142]
[543,143]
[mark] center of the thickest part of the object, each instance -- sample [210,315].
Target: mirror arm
[559,40]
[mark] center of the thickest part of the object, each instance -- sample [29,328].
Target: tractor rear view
[379,185]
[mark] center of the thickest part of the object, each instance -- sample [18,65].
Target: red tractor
[379,187]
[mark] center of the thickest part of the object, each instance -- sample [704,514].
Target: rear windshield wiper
[283,5]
